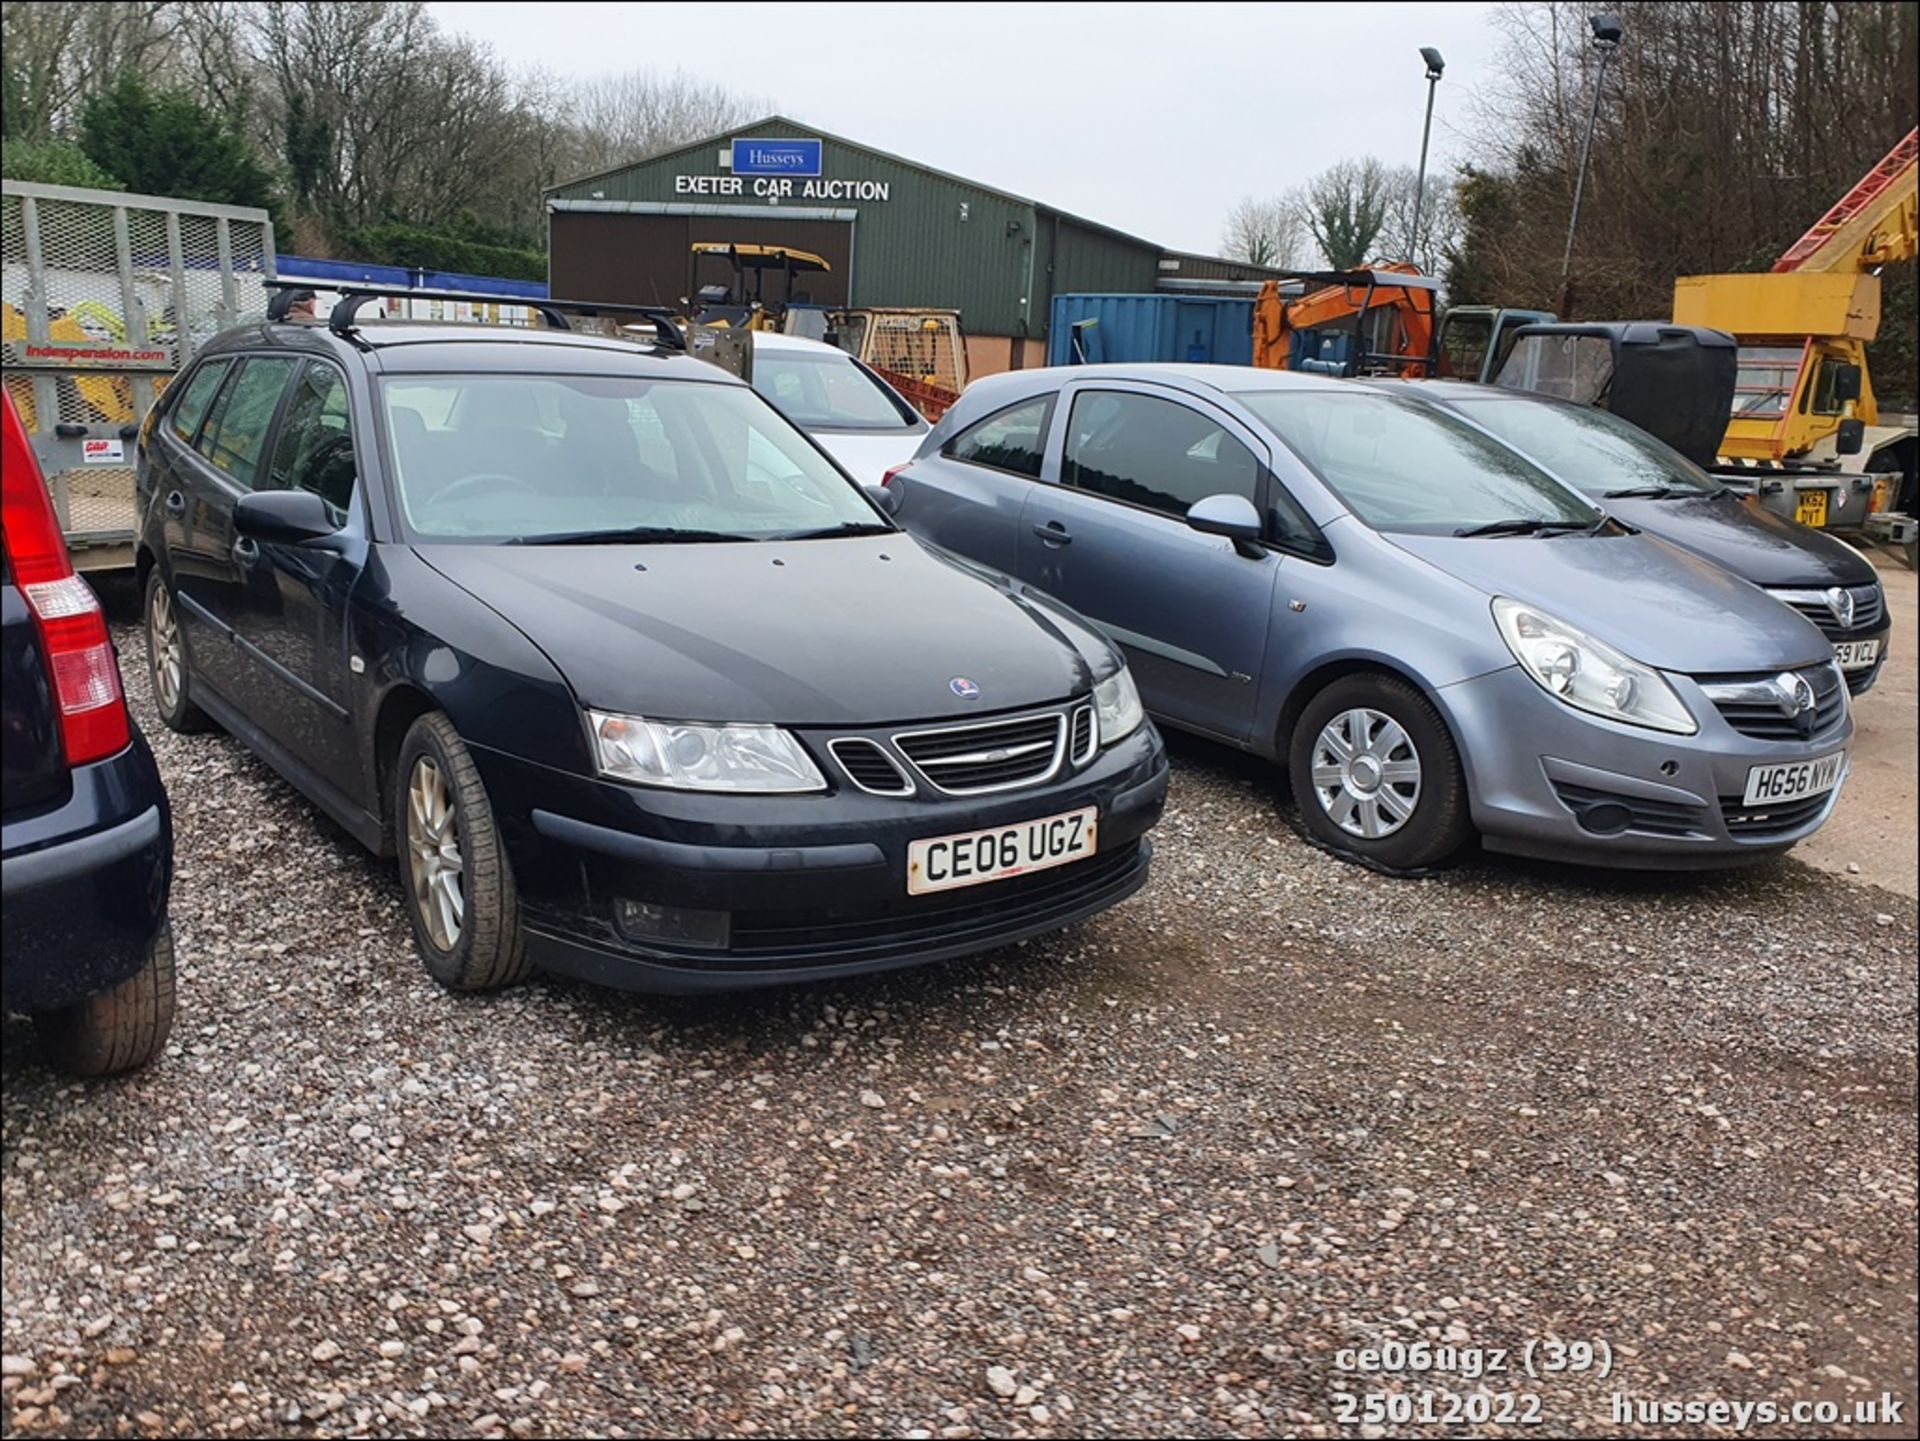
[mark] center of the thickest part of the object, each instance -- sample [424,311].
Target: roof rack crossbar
[554,312]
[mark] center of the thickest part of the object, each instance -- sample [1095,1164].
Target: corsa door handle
[1054,533]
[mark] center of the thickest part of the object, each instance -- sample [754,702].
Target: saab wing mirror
[283,517]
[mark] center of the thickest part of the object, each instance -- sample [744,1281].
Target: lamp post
[1435,64]
[1606,39]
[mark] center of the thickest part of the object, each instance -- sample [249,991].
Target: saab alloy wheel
[433,853]
[167,666]
[460,893]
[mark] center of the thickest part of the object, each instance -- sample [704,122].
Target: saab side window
[1154,453]
[236,432]
[315,448]
[195,399]
[1013,439]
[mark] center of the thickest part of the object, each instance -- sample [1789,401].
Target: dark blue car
[86,841]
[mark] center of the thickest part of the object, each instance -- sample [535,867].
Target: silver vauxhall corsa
[1432,634]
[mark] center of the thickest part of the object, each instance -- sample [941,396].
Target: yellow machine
[742,302]
[1803,399]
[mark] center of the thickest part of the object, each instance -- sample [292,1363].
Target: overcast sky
[1150,118]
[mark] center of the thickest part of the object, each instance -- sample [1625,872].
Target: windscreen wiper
[845,527]
[1528,525]
[1645,492]
[629,535]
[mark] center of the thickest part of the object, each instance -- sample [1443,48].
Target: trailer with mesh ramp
[105,296]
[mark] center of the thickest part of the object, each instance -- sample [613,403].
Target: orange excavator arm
[1348,298]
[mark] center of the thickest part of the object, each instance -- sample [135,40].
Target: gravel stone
[1141,1168]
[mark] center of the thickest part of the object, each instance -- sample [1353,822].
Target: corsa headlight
[1588,674]
[1116,704]
[757,759]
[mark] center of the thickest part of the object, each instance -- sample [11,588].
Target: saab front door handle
[1054,533]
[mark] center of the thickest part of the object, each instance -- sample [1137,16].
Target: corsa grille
[1869,607]
[1772,818]
[1762,706]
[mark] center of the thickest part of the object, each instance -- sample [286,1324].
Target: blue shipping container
[1208,329]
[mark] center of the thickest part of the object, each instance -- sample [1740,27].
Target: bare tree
[58,53]
[1264,232]
[1344,210]
[1439,213]
[621,119]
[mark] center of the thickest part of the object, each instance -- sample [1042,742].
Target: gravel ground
[1143,1178]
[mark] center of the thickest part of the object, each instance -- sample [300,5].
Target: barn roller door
[640,253]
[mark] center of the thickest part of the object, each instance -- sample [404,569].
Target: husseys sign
[776,170]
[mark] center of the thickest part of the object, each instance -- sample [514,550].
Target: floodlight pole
[1435,65]
[1606,41]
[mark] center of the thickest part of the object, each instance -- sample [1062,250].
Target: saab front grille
[988,755]
[1763,705]
[1086,738]
[869,767]
[1869,609]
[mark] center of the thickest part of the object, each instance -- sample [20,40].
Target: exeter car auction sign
[777,170]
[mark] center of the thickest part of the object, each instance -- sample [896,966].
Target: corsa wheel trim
[433,854]
[1366,773]
[163,632]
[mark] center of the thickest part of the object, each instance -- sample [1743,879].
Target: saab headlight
[743,758]
[1116,703]
[1588,674]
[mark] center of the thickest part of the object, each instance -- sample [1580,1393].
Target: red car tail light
[73,629]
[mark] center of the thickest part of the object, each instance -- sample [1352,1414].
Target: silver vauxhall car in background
[1434,636]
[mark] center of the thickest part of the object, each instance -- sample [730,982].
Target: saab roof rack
[554,312]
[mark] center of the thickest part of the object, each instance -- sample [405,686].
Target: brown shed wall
[644,259]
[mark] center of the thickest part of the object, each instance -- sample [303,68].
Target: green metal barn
[895,232]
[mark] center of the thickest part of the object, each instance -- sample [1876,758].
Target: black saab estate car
[635,683]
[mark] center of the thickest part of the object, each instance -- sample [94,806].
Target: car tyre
[1377,776]
[168,671]
[459,887]
[118,1029]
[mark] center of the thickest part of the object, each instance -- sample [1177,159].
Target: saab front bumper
[662,890]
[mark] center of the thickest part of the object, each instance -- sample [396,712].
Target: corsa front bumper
[1538,770]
